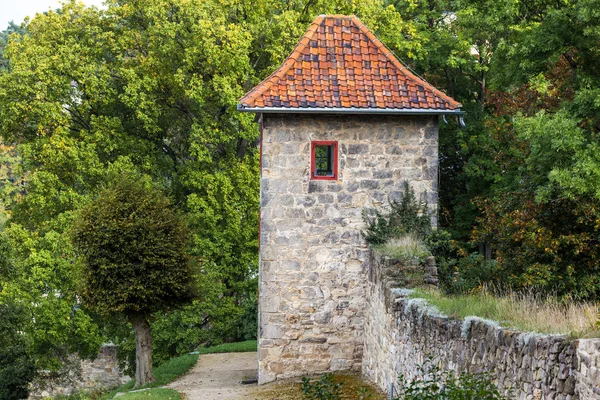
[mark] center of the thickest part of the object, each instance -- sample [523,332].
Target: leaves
[133,250]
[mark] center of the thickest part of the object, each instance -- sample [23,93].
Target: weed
[439,385]
[323,389]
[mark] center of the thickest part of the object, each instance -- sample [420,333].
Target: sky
[17,10]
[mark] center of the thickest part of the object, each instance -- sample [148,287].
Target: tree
[4,35]
[106,101]
[134,252]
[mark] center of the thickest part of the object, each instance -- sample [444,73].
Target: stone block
[358,149]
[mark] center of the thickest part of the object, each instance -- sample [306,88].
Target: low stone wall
[402,333]
[99,374]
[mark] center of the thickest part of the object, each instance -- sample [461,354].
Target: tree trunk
[143,351]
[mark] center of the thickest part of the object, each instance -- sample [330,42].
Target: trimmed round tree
[133,249]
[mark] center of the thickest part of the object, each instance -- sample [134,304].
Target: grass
[405,248]
[164,374]
[525,312]
[239,347]
[292,390]
[154,394]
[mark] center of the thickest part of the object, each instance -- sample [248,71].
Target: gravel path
[218,377]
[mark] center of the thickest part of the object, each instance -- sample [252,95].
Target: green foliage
[133,248]
[530,148]
[38,279]
[549,245]
[15,29]
[439,242]
[468,274]
[17,366]
[436,384]
[104,101]
[325,388]
[237,347]
[406,216]
[249,318]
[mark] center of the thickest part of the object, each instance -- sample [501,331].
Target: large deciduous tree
[148,86]
[134,257]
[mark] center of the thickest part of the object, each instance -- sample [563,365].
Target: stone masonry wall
[401,333]
[313,261]
[97,375]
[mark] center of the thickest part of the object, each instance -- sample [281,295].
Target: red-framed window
[324,160]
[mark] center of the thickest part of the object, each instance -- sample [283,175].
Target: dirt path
[218,377]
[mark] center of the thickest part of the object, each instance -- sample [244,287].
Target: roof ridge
[342,16]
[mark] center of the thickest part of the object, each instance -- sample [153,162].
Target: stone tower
[343,125]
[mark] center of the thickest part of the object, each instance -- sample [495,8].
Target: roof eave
[348,110]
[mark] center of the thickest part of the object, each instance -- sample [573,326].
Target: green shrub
[470,274]
[439,385]
[440,243]
[17,367]
[249,318]
[406,216]
[323,389]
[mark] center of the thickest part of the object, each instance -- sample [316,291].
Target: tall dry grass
[405,248]
[526,311]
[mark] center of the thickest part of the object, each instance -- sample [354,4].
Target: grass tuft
[404,248]
[528,312]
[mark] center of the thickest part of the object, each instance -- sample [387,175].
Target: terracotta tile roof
[339,64]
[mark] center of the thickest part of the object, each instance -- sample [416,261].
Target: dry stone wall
[313,261]
[402,333]
[97,375]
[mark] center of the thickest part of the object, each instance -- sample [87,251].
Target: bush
[323,389]
[17,370]
[439,385]
[407,216]
[17,367]
[249,319]
[468,274]
[441,245]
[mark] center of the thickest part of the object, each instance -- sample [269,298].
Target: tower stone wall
[313,260]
